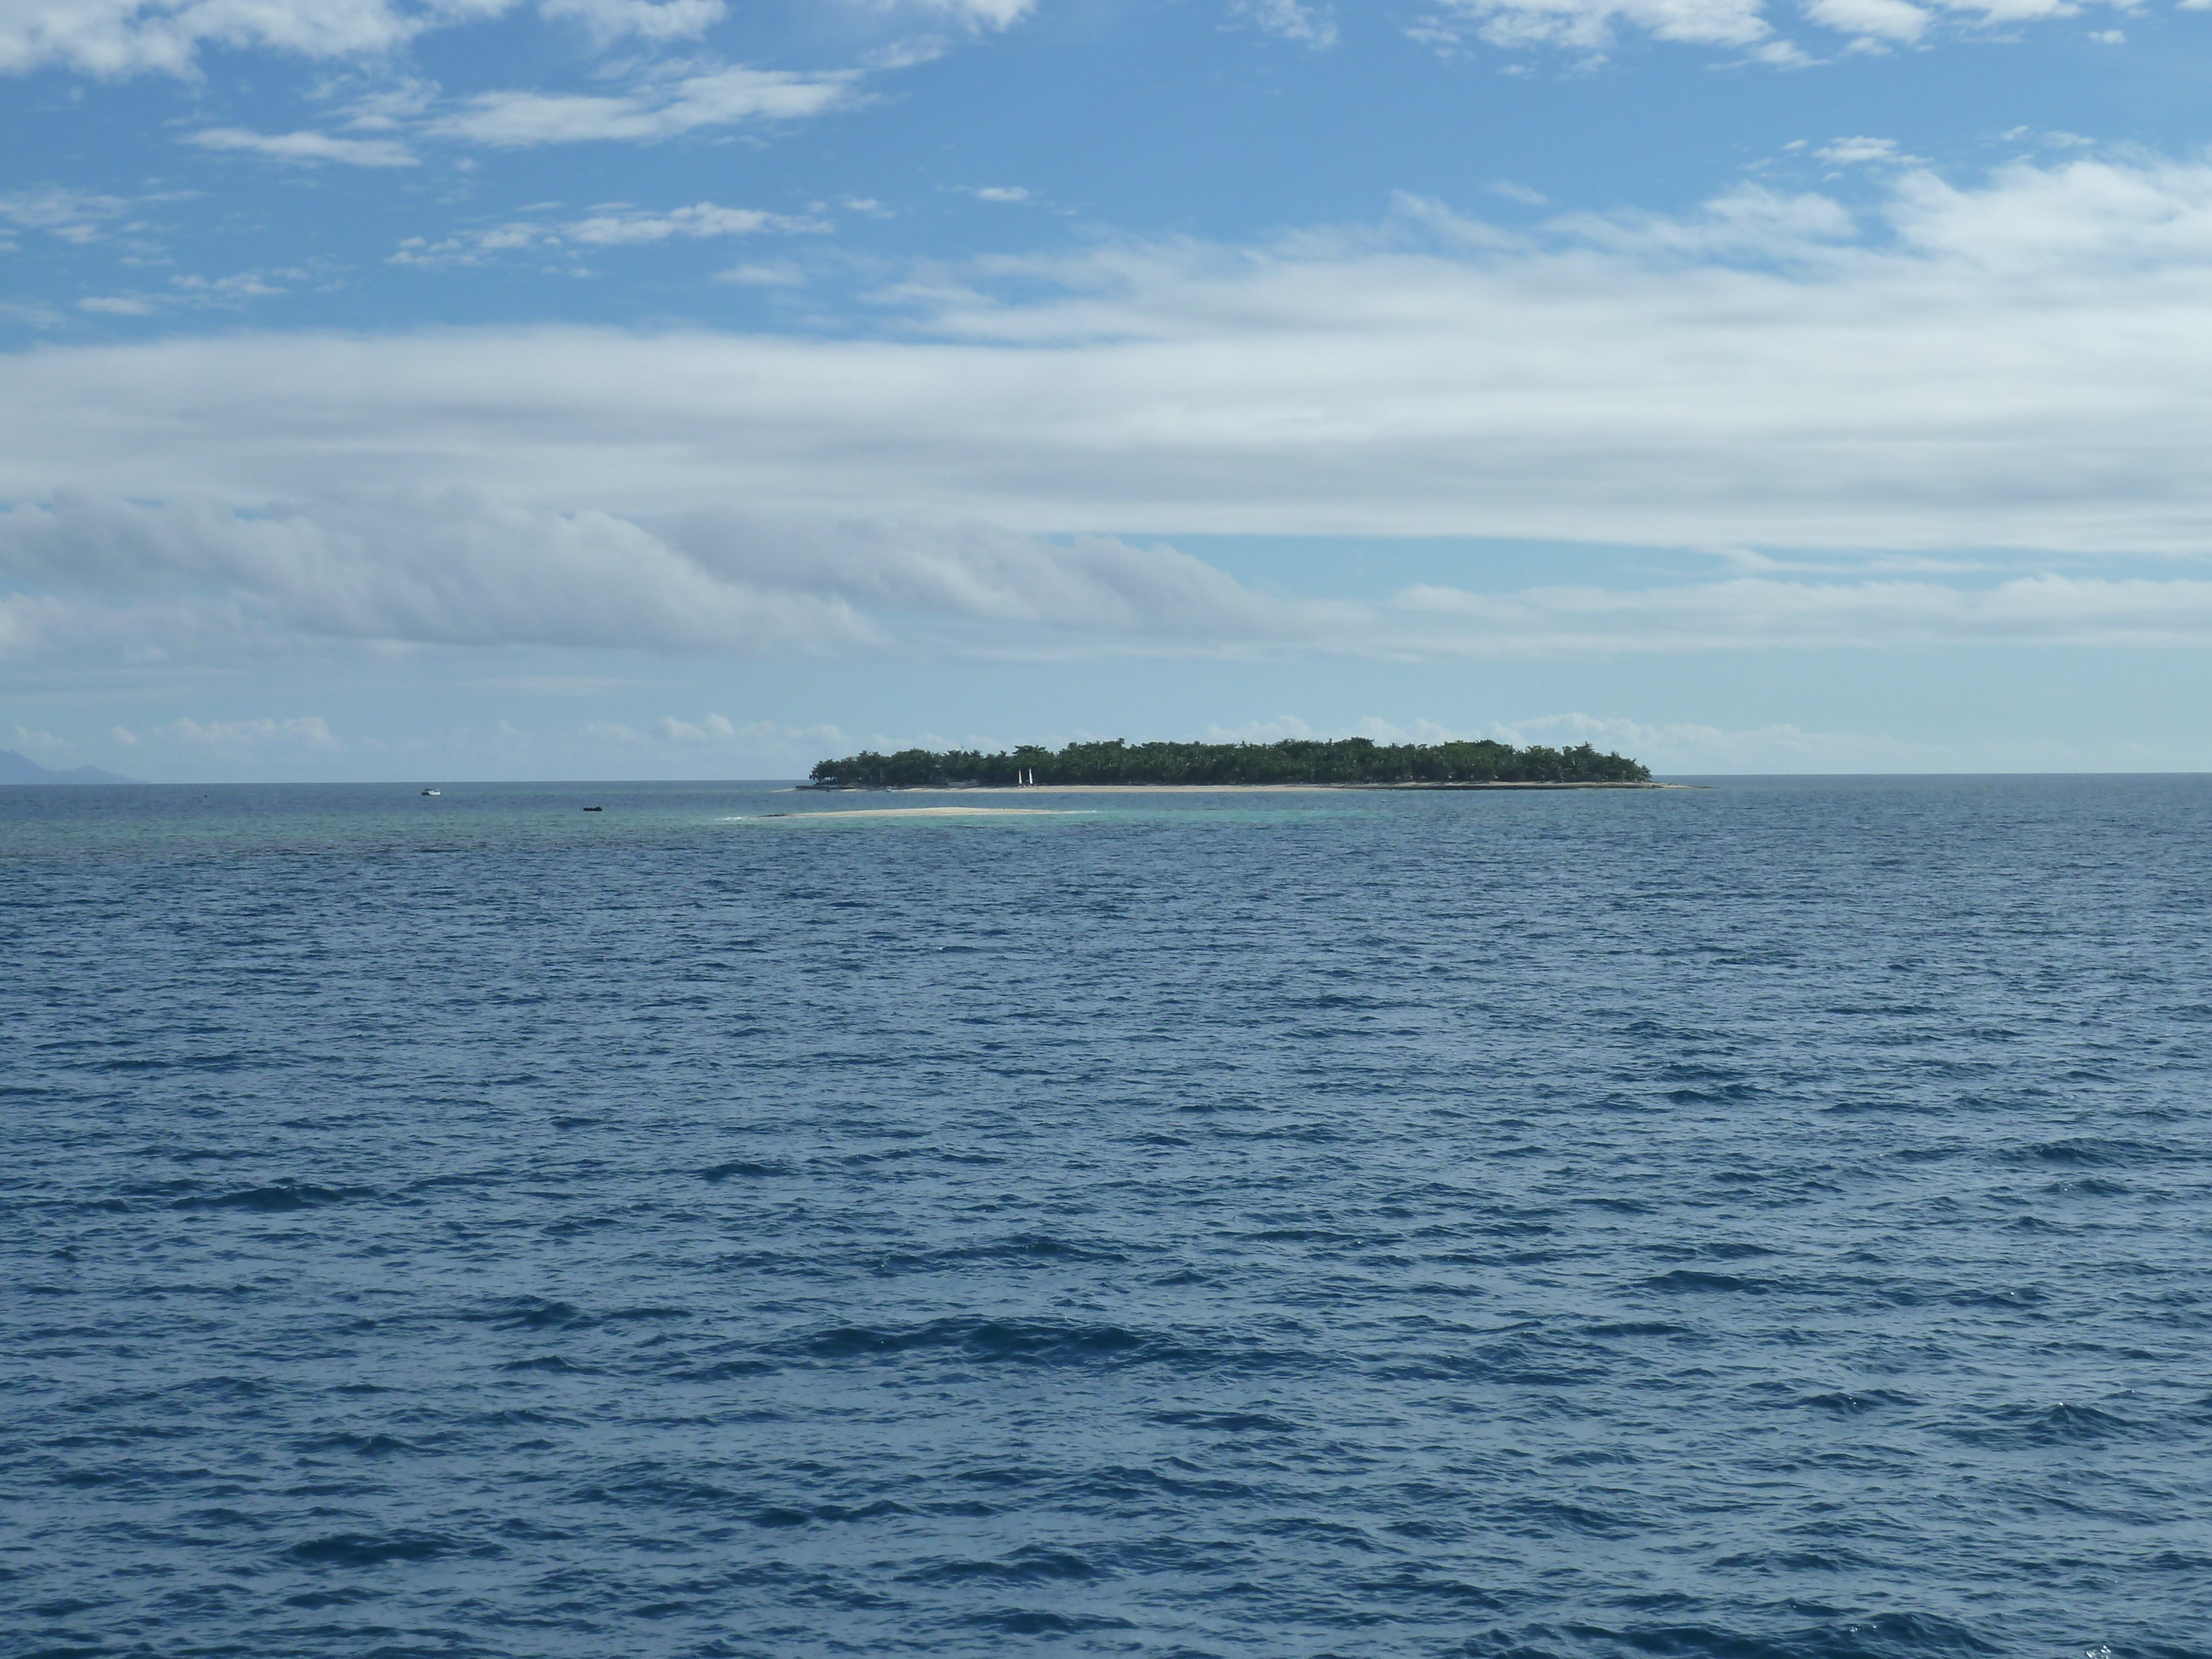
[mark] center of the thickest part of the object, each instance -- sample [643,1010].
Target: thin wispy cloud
[655,110]
[309,148]
[2012,363]
[193,579]
[1750,27]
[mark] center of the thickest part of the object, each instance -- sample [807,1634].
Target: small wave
[553,1363]
[1841,1402]
[741,1166]
[2085,1152]
[353,1549]
[279,1198]
[1020,1250]
[1047,1342]
[2060,1425]
[1228,1422]
[2089,1187]
[724,1371]
[1026,1621]
[1031,1564]
[1884,1636]
[535,1313]
[1453,1592]
[1689,1281]
[360,1445]
[2004,1295]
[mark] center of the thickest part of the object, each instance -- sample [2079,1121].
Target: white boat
[433,791]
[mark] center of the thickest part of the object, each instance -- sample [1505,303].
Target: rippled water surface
[1763,1220]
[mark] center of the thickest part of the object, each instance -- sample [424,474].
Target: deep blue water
[1766,1220]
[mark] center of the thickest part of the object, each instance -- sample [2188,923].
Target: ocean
[1768,1220]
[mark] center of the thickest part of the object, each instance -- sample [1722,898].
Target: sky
[701,388]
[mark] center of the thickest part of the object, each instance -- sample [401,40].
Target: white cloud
[308,147]
[1590,25]
[1091,585]
[229,290]
[707,731]
[239,738]
[982,13]
[612,226]
[1524,194]
[23,737]
[74,215]
[656,110]
[1308,25]
[449,567]
[1762,613]
[779,274]
[2016,363]
[1866,152]
[128,37]
[453,567]
[131,37]
[1000,193]
[1878,20]
[118,305]
[103,581]
[704,219]
[657,20]
[754,739]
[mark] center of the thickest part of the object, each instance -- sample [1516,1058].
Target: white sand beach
[917,812]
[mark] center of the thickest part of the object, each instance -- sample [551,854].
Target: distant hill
[18,768]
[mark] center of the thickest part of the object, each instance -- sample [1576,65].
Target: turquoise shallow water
[1765,1220]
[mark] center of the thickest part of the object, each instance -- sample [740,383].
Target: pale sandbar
[931,812]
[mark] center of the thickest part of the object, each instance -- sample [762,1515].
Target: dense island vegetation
[1344,760]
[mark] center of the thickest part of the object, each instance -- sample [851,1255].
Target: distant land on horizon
[1347,761]
[21,769]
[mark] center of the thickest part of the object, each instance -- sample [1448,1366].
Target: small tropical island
[1296,763]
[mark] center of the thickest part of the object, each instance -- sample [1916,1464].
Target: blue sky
[613,388]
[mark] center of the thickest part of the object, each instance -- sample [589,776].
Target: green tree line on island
[1343,760]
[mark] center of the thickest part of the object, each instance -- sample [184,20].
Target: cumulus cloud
[1873,20]
[2018,362]
[308,147]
